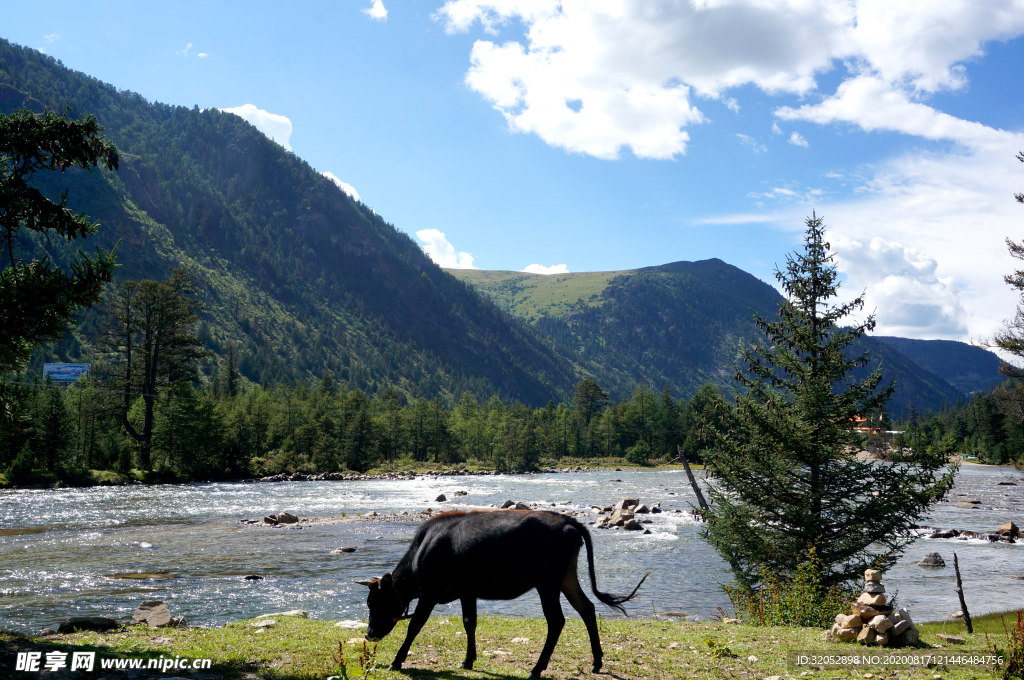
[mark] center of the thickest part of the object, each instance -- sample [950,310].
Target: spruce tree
[785,482]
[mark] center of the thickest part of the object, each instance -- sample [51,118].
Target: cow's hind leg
[549,601]
[419,617]
[582,604]
[469,621]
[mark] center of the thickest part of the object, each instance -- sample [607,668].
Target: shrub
[803,600]
[20,470]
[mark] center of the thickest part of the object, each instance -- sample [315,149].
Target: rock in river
[932,559]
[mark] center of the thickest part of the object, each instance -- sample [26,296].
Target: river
[102,550]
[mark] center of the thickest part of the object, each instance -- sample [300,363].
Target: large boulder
[968,505]
[932,559]
[641,509]
[1009,528]
[287,518]
[441,498]
[153,613]
[627,503]
[620,517]
[632,525]
[508,504]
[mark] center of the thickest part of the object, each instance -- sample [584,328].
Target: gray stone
[270,519]
[264,623]
[154,613]
[627,503]
[522,506]
[872,575]
[932,559]
[507,504]
[286,518]
[632,525]
[641,509]
[301,613]
[441,498]
[950,639]
[656,509]
[86,623]
[874,588]
[965,505]
[1009,528]
[900,628]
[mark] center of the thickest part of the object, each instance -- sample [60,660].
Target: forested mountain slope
[680,324]
[968,368]
[300,276]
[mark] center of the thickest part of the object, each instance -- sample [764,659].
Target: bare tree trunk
[960,593]
[693,481]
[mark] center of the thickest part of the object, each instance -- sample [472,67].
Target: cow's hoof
[596,668]
[534,675]
[396,665]
[467,665]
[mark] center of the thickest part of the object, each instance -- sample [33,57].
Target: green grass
[530,296]
[299,648]
[988,623]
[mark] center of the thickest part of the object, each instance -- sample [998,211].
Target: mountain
[300,276]
[680,324]
[303,279]
[965,367]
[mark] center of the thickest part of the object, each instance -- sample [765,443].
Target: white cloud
[184,52]
[202,55]
[50,37]
[872,104]
[902,287]
[441,252]
[541,269]
[731,104]
[344,186]
[796,139]
[776,130]
[377,11]
[275,126]
[755,146]
[956,210]
[634,63]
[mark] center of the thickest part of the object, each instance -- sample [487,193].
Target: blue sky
[615,135]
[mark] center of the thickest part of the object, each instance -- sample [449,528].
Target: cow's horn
[365,583]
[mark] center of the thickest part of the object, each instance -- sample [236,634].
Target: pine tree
[783,476]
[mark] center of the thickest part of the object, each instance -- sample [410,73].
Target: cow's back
[492,555]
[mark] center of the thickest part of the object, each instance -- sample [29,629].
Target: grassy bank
[300,648]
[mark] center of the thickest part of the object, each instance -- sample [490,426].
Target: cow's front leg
[469,621]
[419,617]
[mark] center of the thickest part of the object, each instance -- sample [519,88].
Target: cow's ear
[385,580]
[368,584]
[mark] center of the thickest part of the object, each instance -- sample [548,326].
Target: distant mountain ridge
[681,324]
[965,367]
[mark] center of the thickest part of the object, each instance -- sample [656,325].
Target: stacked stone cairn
[874,621]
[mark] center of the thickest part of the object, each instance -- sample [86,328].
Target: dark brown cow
[496,555]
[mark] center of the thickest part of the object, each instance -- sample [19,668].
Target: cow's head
[386,608]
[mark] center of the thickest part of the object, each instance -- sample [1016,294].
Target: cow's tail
[609,599]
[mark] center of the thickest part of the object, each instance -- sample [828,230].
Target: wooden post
[960,592]
[693,482]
